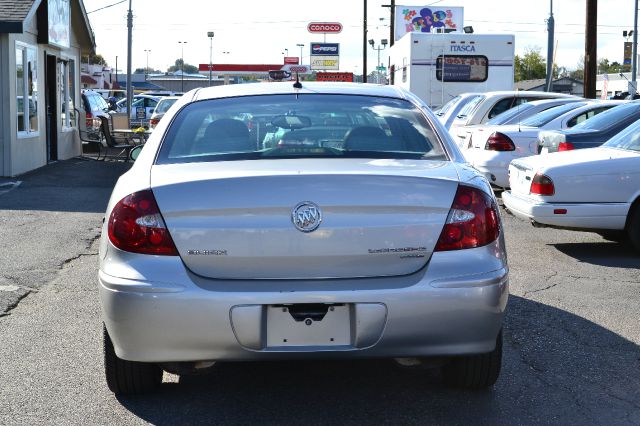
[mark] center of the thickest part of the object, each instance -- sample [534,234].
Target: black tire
[128,377]
[633,227]
[475,371]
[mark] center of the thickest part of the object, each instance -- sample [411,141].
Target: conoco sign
[325,27]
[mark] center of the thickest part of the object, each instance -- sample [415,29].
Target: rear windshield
[628,139]
[542,118]
[299,126]
[164,105]
[502,118]
[610,117]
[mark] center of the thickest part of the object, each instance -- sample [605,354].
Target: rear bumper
[429,313]
[585,216]
[492,164]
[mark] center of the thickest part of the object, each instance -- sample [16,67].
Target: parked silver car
[270,221]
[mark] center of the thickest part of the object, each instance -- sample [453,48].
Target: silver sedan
[272,221]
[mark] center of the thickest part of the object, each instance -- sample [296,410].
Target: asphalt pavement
[572,335]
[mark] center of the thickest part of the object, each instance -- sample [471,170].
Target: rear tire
[475,371]
[128,377]
[633,227]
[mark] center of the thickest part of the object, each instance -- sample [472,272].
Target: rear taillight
[542,185]
[565,146]
[499,142]
[473,221]
[153,122]
[89,120]
[135,225]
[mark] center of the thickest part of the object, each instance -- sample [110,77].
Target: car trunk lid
[234,219]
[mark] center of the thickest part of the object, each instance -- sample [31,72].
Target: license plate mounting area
[308,324]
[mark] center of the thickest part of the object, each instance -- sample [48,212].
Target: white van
[439,67]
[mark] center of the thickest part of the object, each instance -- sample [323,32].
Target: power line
[106,7]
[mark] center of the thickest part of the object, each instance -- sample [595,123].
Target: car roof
[526,93]
[308,87]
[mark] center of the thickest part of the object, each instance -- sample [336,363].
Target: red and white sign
[325,27]
[335,76]
[291,60]
[302,69]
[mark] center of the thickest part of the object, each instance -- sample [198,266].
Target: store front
[41,44]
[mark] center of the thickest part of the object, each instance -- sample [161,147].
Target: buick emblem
[306,216]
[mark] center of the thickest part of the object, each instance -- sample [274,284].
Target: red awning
[87,79]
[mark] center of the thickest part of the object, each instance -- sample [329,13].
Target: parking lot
[571,335]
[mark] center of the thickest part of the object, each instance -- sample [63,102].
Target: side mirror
[133,154]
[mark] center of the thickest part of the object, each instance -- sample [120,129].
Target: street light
[146,70]
[384,43]
[300,45]
[210,35]
[286,52]
[182,43]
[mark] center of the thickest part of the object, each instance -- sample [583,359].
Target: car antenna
[297,84]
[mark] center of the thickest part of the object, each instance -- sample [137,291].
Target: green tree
[531,65]
[188,69]
[147,71]
[95,59]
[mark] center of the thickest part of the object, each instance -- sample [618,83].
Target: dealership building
[41,43]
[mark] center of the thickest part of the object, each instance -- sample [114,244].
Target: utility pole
[129,47]
[146,70]
[300,45]
[392,24]
[364,44]
[634,58]
[210,35]
[182,43]
[590,50]
[550,30]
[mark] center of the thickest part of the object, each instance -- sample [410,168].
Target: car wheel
[475,371]
[128,377]
[633,227]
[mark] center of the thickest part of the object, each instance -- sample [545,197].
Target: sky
[263,32]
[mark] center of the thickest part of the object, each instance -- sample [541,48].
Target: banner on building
[428,19]
[59,22]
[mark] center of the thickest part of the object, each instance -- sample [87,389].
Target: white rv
[438,67]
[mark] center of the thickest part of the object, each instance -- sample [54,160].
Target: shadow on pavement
[76,185]
[618,255]
[557,368]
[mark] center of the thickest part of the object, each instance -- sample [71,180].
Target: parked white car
[593,189]
[448,112]
[514,116]
[491,149]
[494,103]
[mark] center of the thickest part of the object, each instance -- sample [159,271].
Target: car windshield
[542,118]
[609,118]
[502,118]
[164,105]
[299,126]
[466,110]
[629,138]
